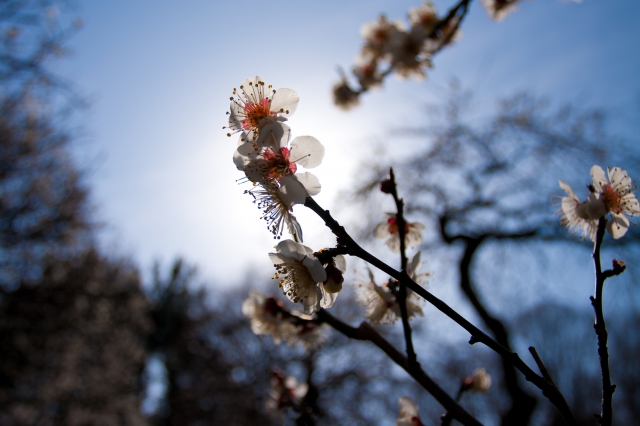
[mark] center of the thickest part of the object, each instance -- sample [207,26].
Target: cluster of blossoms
[270,160]
[267,156]
[612,194]
[392,47]
[379,301]
[269,317]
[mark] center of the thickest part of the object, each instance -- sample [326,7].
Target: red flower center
[256,112]
[278,165]
[611,199]
[393,226]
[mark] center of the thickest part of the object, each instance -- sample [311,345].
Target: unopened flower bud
[618,266]
[386,186]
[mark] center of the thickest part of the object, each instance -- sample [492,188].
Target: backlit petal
[307,151]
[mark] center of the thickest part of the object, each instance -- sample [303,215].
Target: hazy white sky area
[159,75]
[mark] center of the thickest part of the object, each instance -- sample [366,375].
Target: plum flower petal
[307,151]
[309,182]
[293,191]
[618,225]
[576,215]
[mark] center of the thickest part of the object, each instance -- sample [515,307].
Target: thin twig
[401,295]
[606,414]
[477,336]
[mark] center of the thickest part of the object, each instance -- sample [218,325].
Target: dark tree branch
[401,294]
[606,414]
[522,404]
[477,336]
[367,333]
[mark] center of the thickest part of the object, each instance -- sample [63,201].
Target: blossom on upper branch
[378,36]
[254,105]
[425,16]
[388,231]
[303,278]
[409,413]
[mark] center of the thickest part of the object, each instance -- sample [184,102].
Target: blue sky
[159,75]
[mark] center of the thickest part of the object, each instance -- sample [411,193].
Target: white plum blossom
[388,231]
[478,381]
[255,104]
[613,194]
[269,317]
[381,306]
[302,276]
[272,157]
[617,194]
[409,413]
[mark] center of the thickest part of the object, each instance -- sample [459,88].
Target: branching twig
[606,414]
[366,332]
[401,295]
[353,249]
